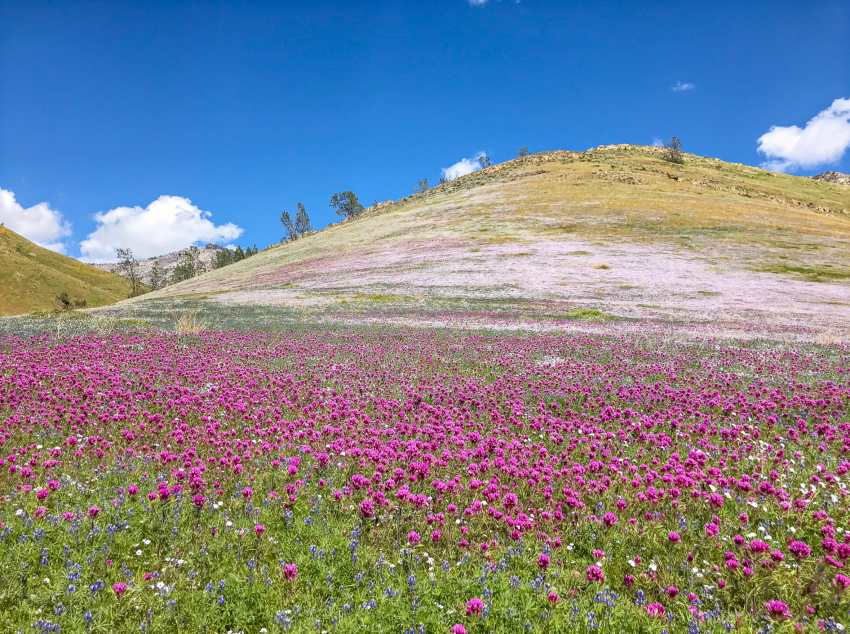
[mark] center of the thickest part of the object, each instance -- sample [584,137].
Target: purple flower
[474,607]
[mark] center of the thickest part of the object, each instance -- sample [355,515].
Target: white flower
[653,567]
[146,542]
[160,585]
[47,580]
[138,553]
[632,563]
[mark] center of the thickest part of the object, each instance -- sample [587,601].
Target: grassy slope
[731,218]
[32,277]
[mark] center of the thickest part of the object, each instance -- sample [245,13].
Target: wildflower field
[337,480]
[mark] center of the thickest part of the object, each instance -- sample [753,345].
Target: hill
[31,277]
[168,262]
[615,230]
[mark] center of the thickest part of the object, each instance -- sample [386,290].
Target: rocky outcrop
[833,177]
[206,254]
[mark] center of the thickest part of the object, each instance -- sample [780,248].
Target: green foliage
[484,160]
[129,268]
[345,204]
[288,226]
[302,221]
[158,276]
[239,253]
[189,265]
[223,258]
[64,301]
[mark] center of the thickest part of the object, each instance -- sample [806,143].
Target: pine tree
[302,220]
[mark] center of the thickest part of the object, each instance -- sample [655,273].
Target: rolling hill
[615,230]
[31,277]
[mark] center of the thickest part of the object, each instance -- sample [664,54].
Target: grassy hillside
[32,277]
[615,229]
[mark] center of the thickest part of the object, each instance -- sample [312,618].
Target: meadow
[333,479]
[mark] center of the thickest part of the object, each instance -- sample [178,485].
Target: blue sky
[245,111]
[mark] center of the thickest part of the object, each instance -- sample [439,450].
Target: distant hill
[31,278]
[206,254]
[833,177]
[615,229]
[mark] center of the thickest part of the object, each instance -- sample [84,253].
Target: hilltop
[833,177]
[31,278]
[168,262]
[615,231]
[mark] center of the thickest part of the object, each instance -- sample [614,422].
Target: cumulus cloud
[39,223]
[463,167]
[824,139]
[169,223]
[682,86]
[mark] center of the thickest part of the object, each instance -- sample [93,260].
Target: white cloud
[657,142]
[463,167]
[481,3]
[39,223]
[169,223]
[824,139]
[680,86]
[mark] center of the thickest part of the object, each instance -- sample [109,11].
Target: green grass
[809,273]
[31,278]
[586,314]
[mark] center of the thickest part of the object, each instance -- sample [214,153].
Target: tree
[674,152]
[158,277]
[345,204]
[422,186]
[255,250]
[188,266]
[223,257]
[289,226]
[238,254]
[64,301]
[523,151]
[302,220]
[129,268]
[484,160]
[444,180]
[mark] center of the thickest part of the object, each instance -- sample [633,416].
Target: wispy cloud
[658,142]
[682,86]
[168,224]
[463,167]
[39,223]
[481,3]
[823,140]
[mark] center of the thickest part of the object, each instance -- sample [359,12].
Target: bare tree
[422,186]
[523,151]
[674,152]
[129,268]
